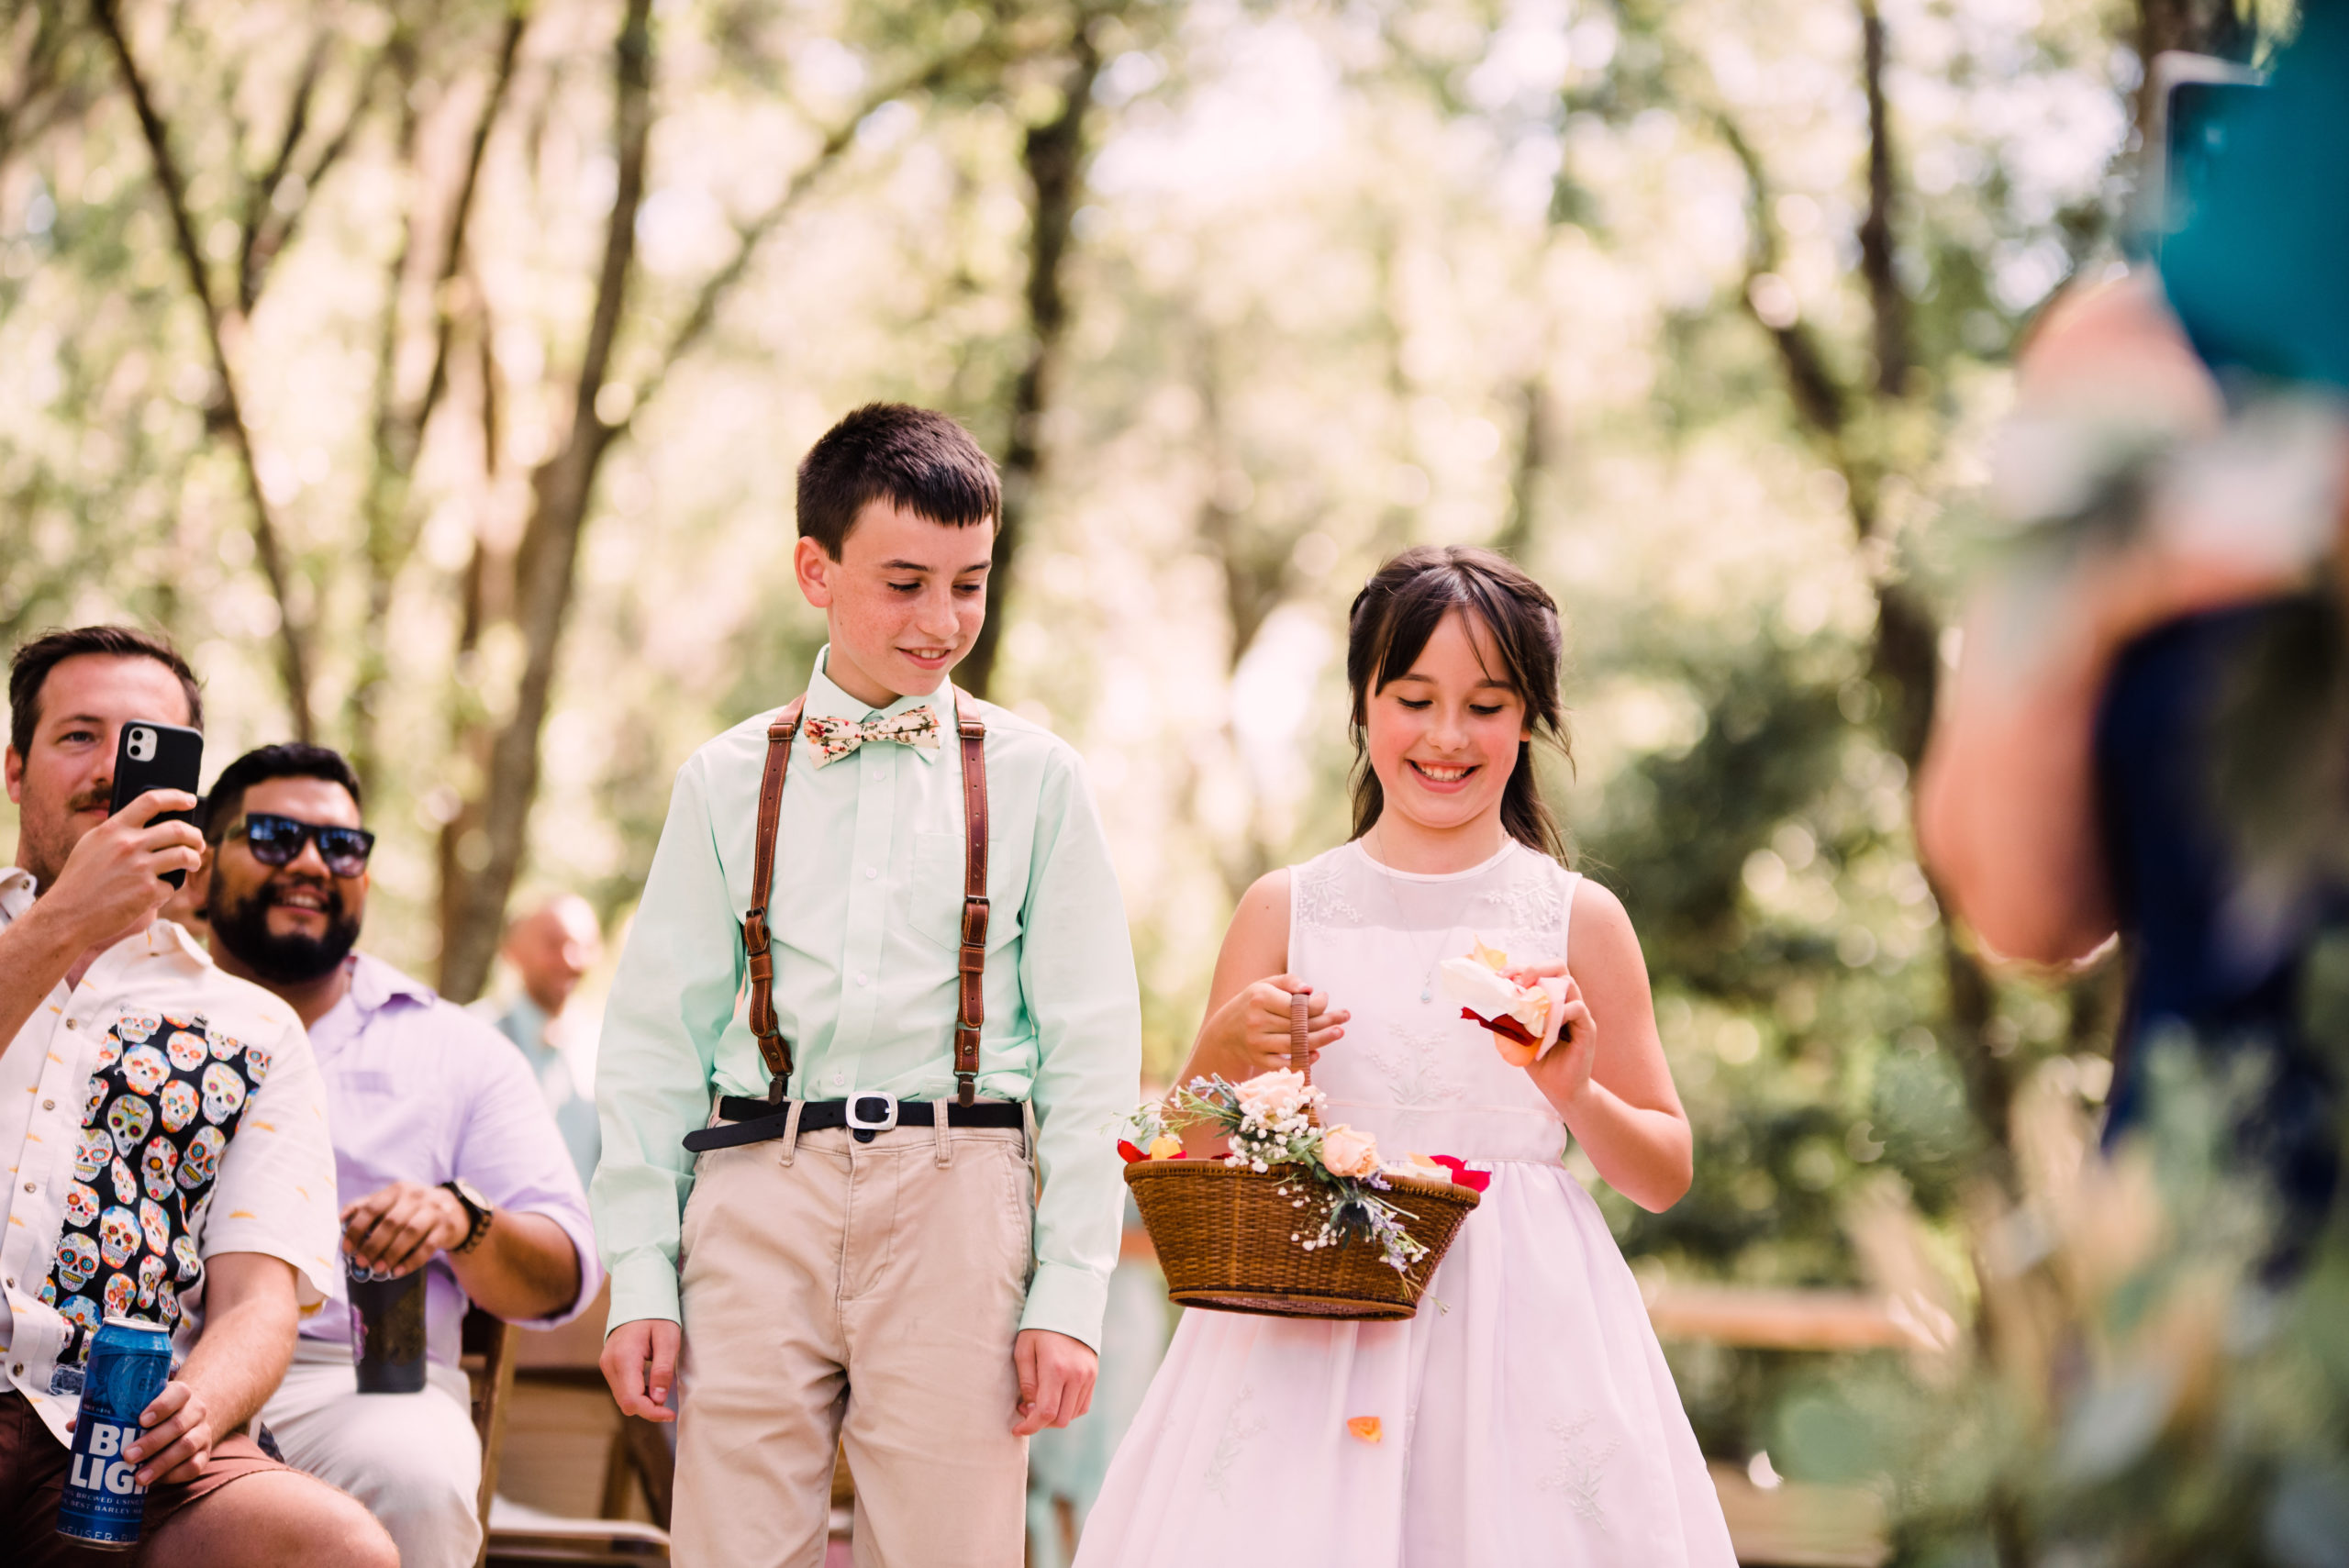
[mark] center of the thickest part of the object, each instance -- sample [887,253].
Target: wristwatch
[479,1212]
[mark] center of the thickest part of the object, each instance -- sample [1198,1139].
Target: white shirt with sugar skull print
[157,1115]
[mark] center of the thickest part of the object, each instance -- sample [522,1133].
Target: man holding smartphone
[165,1129]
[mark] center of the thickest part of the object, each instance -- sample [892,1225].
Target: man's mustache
[276,890]
[93,800]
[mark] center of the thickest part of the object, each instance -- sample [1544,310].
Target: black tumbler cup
[387,1331]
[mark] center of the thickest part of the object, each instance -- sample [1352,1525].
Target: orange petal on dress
[1365,1428]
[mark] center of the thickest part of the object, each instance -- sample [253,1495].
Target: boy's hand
[643,1390]
[1056,1379]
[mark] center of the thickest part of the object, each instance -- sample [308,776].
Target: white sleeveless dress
[1528,1416]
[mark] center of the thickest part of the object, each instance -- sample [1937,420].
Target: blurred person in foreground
[2148,735]
[552,948]
[168,1156]
[887,1218]
[445,1157]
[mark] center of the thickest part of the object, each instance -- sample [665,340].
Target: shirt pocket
[930,904]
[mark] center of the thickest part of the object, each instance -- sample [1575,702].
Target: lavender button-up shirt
[420,1090]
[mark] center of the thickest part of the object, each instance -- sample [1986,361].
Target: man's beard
[290,959]
[43,842]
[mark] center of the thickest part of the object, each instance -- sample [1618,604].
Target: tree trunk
[477,879]
[1054,156]
[399,425]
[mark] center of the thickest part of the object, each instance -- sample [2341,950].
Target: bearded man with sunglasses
[446,1156]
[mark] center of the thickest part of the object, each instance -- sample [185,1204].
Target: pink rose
[1274,1097]
[1349,1153]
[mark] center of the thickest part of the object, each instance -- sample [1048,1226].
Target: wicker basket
[1223,1235]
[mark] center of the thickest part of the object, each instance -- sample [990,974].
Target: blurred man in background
[445,1158]
[552,948]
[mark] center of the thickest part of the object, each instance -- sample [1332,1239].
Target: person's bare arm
[2007,813]
[1246,1027]
[1245,1030]
[250,1315]
[110,885]
[1608,1076]
[524,1267]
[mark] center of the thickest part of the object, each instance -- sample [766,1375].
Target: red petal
[1504,1024]
[1474,1181]
[1133,1155]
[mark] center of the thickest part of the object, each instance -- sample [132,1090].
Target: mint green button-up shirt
[866,914]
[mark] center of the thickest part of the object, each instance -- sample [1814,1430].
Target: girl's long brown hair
[1397,612]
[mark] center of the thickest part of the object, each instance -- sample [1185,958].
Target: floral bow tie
[836,738]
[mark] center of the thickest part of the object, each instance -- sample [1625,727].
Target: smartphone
[2198,101]
[148,755]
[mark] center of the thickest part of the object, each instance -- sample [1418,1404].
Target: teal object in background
[2260,271]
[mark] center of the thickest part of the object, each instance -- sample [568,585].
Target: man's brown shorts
[32,1479]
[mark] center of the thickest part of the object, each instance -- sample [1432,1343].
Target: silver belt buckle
[856,1103]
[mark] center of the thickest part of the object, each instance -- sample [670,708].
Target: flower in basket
[1269,1122]
[1525,1020]
[1276,1098]
[1346,1153]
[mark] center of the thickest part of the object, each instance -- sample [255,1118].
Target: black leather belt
[865,1115]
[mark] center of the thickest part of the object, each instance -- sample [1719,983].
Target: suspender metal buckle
[862,1120]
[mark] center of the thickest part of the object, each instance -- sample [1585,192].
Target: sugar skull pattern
[186,1050]
[96,1149]
[156,1163]
[167,1096]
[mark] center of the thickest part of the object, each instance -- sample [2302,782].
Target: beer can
[103,1504]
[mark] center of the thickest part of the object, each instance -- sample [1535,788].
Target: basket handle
[1301,1056]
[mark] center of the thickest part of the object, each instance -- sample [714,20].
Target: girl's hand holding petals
[1564,1072]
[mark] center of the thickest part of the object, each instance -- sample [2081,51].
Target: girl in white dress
[1525,1416]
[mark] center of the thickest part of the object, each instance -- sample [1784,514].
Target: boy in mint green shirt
[859,1252]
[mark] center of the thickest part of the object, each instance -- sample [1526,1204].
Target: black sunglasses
[277,840]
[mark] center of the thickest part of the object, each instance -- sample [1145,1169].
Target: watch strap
[478,1212]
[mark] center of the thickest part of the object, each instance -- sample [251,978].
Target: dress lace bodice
[1411,1071]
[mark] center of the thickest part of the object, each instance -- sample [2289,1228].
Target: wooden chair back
[489,1362]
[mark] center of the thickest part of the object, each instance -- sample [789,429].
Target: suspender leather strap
[757,940]
[970,1009]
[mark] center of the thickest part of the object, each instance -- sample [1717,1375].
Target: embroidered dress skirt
[1526,1413]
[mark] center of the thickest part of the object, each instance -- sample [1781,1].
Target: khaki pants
[865,1292]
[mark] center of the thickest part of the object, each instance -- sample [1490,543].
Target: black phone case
[148,755]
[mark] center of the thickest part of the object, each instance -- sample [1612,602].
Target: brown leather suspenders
[757,939]
[772,1047]
[970,1009]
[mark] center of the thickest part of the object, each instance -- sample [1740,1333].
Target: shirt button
[72,1023]
[872,871]
[839,1078]
[32,1186]
[48,1105]
[864,979]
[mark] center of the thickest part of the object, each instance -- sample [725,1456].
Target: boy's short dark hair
[289,759]
[913,458]
[29,671]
